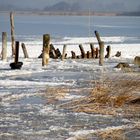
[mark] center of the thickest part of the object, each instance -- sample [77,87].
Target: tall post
[64,52]
[46,49]
[97,36]
[24,50]
[12,33]
[4,46]
[101,55]
[17,52]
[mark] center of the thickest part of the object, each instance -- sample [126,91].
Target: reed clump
[110,98]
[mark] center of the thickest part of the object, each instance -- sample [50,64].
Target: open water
[31,27]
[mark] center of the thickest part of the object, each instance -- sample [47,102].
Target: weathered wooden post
[101,53]
[88,54]
[46,49]
[96,52]
[4,46]
[16,64]
[73,55]
[52,52]
[97,36]
[108,49]
[83,54]
[24,50]
[64,52]
[12,33]
[92,50]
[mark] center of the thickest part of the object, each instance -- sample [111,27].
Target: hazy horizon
[94,5]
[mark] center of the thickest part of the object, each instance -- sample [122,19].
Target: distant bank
[59,13]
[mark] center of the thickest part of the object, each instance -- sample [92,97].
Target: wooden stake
[17,52]
[24,50]
[12,33]
[46,49]
[52,52]
[64,52]
[92,50]
[73,55]
[96,53]
[88,54]
[101,55]
[108,49]
[83,54]
[4,46]
[98,36]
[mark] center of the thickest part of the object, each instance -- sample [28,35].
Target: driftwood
[118,54]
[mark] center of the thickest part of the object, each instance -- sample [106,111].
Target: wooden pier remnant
[83,54]
[108,49]
[46,49]
[64,52]
[92,50]
[101,53]
[4,46]
[73,55]
[52,52]
[24,50]
[16,64]
[97,36]
[96,53]
[12,33]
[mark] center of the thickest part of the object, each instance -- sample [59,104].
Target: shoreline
[59,13]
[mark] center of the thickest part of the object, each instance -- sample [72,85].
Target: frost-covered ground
[28,109]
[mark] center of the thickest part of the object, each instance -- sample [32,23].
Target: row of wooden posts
[49,50]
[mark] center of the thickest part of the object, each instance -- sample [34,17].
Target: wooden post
[64,52]
[17,52]
[4,46]
[98,36]
[46,49]
[92,50]
[101,55]
[52,52]
[108,49]
[12,33]
[88,54]
[96,52]
[73,55]
[16,64]
[83,54]
[24,50]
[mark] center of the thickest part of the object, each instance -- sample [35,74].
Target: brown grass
[109,97]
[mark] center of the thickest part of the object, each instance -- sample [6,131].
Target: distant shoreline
[71,13]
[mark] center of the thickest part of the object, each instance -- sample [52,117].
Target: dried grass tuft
[109,97]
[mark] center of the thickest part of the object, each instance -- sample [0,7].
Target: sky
[98,5]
